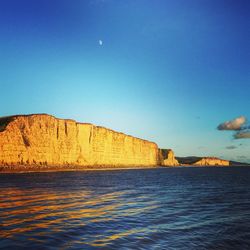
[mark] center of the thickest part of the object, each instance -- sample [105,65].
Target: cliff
[41,140]
[211,161]
[167,157]
[202,161]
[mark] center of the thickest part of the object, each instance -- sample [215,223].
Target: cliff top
[5,120]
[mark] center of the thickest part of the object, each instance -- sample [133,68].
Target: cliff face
[43,140]
[211,161]
[167,157]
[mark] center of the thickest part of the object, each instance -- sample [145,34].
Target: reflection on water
[195,208]
[35,211]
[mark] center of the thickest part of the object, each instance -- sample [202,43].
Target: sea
[161,208]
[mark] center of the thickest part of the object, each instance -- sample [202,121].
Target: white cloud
[100,42]
[235,124]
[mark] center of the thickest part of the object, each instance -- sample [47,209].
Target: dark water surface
[166,208]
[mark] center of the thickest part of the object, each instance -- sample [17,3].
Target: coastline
[67,145]
[35,169]
[52,169]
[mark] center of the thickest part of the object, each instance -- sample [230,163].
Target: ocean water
[165,208]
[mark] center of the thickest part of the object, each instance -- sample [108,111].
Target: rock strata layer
[43,140]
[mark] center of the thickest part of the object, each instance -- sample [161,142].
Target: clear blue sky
[167,71]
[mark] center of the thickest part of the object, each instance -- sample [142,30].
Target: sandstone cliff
[167,158]
[43,140]
[202,161]
[211,161]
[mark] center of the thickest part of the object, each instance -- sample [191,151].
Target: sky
[169,71]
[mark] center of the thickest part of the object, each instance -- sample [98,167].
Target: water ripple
[194,208]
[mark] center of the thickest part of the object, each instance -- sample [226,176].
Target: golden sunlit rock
[167,157]
[42,140]
[211,161]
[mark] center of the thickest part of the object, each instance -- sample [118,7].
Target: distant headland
[41,142]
